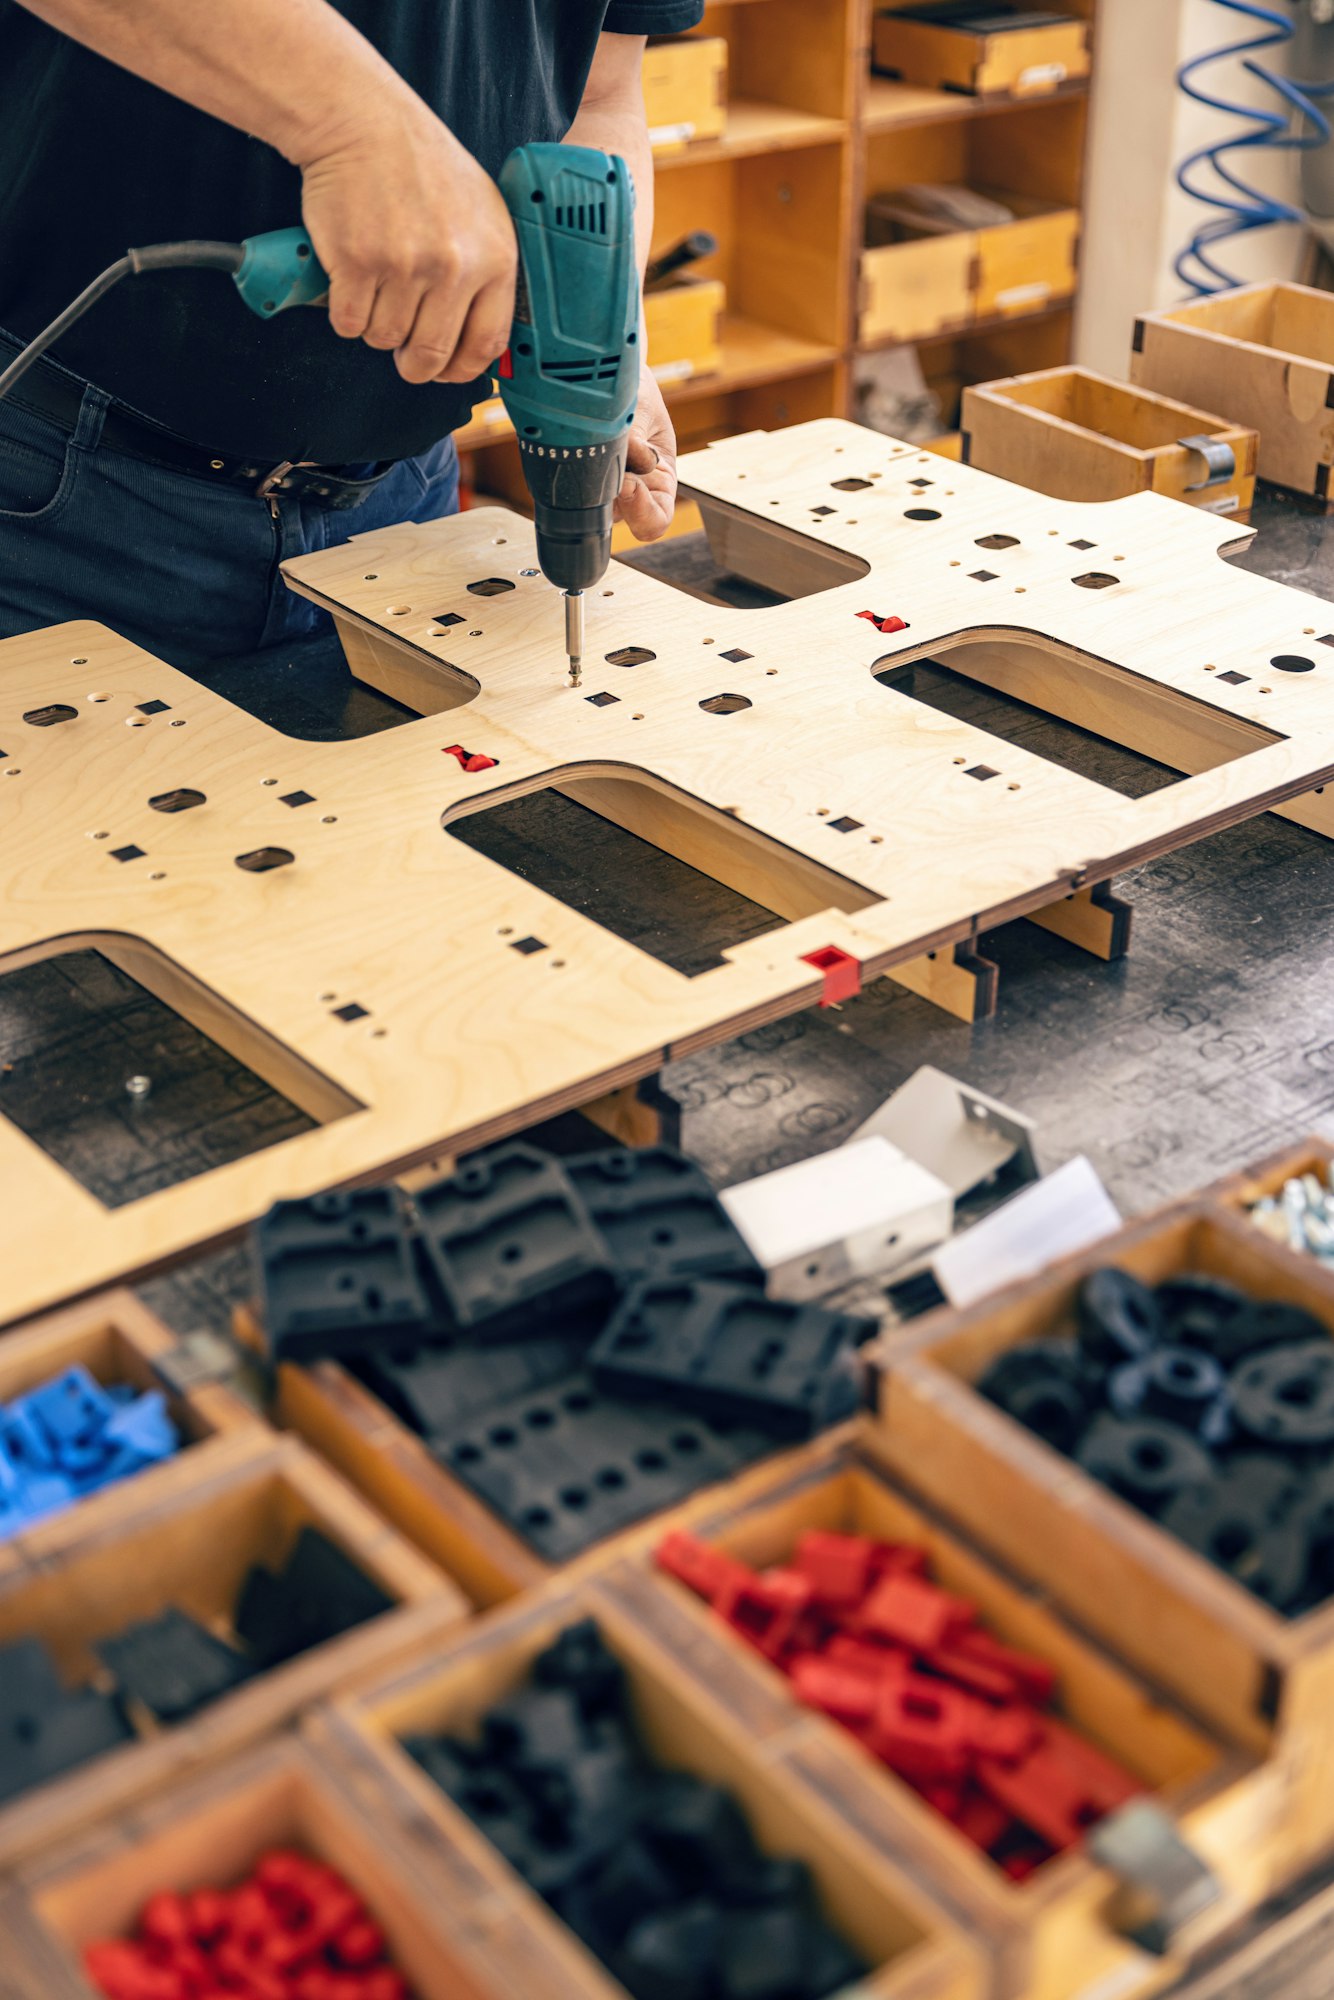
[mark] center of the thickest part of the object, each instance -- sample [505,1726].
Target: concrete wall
[1142,127]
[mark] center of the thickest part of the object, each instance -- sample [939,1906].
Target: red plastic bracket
[842,973]
[470,760]
[885,624]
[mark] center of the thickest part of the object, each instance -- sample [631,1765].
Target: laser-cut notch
[261,859]
[736,654]
[490,586]
[526,946]
[152,707]
[183,799]
[981,772]
[850,485]
[726,704]
[54,712]
[982,575]
[128,853]
[1095,579]
[603,700]
[630,656]
[297,798]
[998,541]
[844,824]
[447,618]
[1233,678]
[351,1010]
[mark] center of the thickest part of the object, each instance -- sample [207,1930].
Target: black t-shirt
[94,160]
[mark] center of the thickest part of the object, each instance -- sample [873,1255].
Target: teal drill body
[569,378]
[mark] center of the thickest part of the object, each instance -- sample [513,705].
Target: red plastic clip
[839,1567]
[842,973]
[1061,1788]
[912,1612]
[705,1570]
[921,1728]
[766,1609]
[1035,1679]
[844,1692]
[470,760]
[885,624]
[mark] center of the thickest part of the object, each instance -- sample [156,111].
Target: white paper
[1055,1217]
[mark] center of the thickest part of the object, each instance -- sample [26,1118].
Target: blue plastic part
[69,1437]
[574,346]
[278,270]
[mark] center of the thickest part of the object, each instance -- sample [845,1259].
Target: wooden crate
[193,1551]
[118,1340]
[1011,62]
[685,90]
[1263,1679]
[1262,356]
[914,283]
[688,1723]
[1051,1936]
[683,327]
[209,1832]
[1081,436]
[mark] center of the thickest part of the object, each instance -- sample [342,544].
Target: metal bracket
[197,1360]
[1218,457]
[957,1133]
[1168,1883]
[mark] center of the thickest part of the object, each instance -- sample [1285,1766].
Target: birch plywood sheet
[306,904]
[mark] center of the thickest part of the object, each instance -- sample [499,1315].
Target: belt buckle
[272,482]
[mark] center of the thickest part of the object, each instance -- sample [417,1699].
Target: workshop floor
[1212,1043]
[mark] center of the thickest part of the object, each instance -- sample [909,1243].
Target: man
[172,449]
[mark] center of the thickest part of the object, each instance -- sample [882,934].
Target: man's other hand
[647,499]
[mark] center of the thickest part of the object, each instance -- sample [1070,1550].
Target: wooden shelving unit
[812,133]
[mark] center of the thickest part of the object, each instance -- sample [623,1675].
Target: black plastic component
[335,1274]
[46,1729]
[657,1871]
[1197,1311]
[173,1665]
[727,1351]
[1180,1385]
[1285,1395]
[1145,1461]
[659,1213]
[318,1594]
[1119,1318]
[1249,1522]
[513,1248]
[1045,1385]
[435,1389]
[567,1466]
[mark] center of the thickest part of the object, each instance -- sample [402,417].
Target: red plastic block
[921,1728]
[868,1656]
[839,1567]
[842,973]
[706,1571]
[912,1612]
[1061,1788]
[846,1693]
[1036,1678]
[981,1819]
[766,1609]
[1004,1733]
[975,1675]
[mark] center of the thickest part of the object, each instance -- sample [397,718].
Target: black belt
[47,391]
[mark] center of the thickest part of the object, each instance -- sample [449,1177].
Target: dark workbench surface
[1212,1043]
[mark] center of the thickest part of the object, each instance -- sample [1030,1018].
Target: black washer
[1285,1395]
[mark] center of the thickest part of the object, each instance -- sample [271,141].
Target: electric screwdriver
[569,378]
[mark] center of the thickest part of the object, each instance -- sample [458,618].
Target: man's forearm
[294,73]
[612,117]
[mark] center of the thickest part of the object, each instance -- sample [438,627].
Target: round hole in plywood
[371,576]
[79,660]
[328,819]
[921,514]
[136,722]
[397,610]
[99,697]
[1292,663]
[179,723]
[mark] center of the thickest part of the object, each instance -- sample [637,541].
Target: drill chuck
[574,493]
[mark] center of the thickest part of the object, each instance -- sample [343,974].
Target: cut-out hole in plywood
[680,884]
[66,1090]
[49,715]
[1121,729]
[183,799]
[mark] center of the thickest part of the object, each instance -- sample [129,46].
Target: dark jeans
[185,569]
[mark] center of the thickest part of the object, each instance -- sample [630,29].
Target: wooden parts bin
[1263,1679]
[687,1723]
[1049,1937]
[194,1552]
[685,90]
[1013,62]
[1262,356]
[683,327]
[117,1339]
[208,1832]
[1082,436]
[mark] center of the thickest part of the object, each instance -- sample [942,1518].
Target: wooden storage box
[209,1833]
[1262,356]
[1028,264]
[1081,436]
[118,1340]
[1051,1936]
[193,1551]
[1263,1679]
[944,53]
[683,325]
[685,90]
[913,284]
[688,1724]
